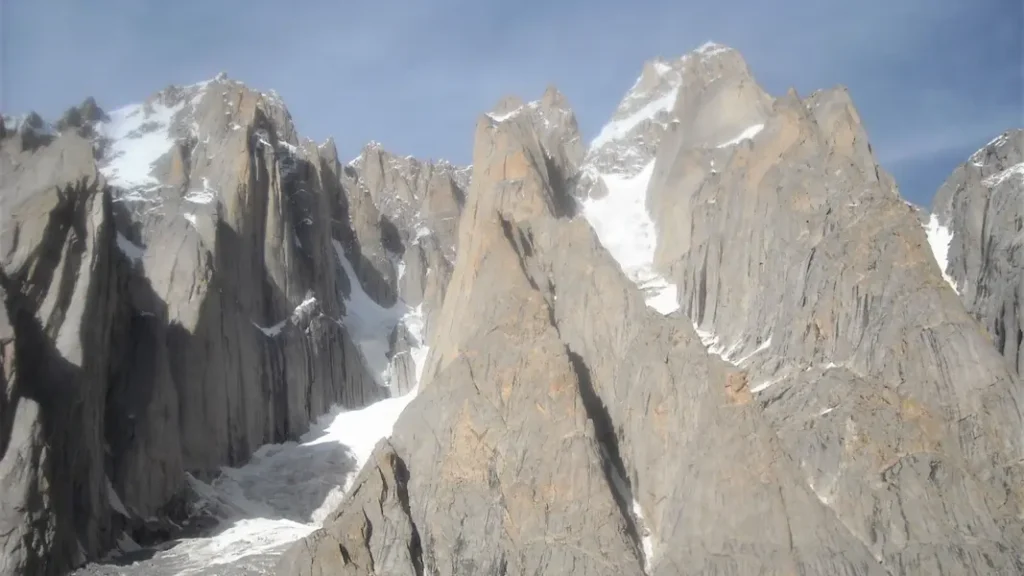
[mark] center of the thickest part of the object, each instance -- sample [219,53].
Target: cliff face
[794,254]
[61,292]
[416,206]
[179,291]
[975,227]
[762,371]
[714,341]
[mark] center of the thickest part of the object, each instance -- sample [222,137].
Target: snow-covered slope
[624,227]
[287,490]
[617,170]
[939,239]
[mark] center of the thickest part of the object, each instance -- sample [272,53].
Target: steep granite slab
[231,328]
[796,258]
[236,292]
[502,392]
[976,230]
[59,280]
[544,316]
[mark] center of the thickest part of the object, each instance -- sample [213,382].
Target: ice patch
[747,134]
[939,238]
[620,128]
[134,252]
[626,230]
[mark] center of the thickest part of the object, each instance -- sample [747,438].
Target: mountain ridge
[563,324]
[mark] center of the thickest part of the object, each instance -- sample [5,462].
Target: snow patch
[505,116]
[204,196]
[370,324]
[1017,170]
[708,49]
[623,489]
[646,541]
[715,346]
[139,135]
[36,125]
[296,316]
[133,251]
[998,140]
[190,217]
[620,128]
[361,430]
[747,134]
[287,490]
[766,384]
[707,338]
[764,346]
[626,230]
[243,538]
[271,331]
[115,500]
[664,296]
[415,324]
[126,544]
[939,238]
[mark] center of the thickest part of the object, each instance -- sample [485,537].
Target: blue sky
[934,80]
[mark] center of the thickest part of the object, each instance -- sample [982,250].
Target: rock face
[61,298]
[179,290]
[411,213]
[793,252]
[975,230]
[715,341]
[848,417]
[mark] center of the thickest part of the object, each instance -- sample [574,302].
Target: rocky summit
[713,340]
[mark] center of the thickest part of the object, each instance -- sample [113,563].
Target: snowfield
[939,238]
[626,230]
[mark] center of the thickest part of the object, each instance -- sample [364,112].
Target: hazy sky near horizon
[934,80]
